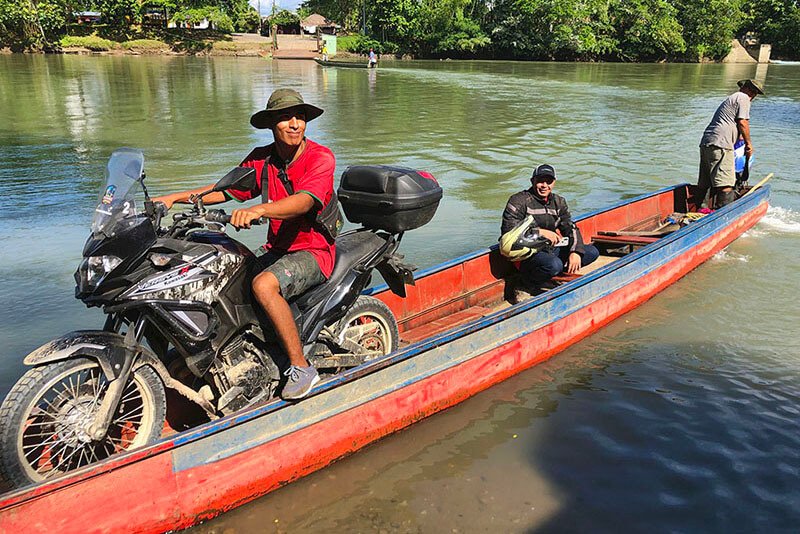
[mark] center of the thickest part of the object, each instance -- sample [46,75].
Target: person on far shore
[730,122]
[540,209]
[324,52]
[373,59]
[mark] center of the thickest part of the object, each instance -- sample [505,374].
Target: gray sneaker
[300,381]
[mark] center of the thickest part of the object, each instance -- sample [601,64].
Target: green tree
[284,17]
[214,15]
[396,21]
[20,27]
[452,27]
[787,42]
[553,29]
[775,22]
[709,26]
[247,21]
[646,29]
[167,7]
[119,16]
[347,13]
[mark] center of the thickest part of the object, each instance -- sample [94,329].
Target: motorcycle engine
[243,374]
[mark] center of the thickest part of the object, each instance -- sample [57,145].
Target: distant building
[316,22]
[291,28]
[154,16]
[202,25]
[87,17]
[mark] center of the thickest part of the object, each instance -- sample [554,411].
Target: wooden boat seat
[601,261]
[563,278]
[445,323]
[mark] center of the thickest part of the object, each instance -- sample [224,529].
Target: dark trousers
[545,265]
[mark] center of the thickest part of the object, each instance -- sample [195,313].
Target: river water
[683,415]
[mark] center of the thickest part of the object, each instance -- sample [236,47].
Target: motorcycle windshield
[116,204]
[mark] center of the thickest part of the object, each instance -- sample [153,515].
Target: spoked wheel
[45,420]
[371,325]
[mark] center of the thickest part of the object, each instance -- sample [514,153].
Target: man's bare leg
[268,293]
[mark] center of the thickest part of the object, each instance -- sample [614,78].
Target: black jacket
[551,215]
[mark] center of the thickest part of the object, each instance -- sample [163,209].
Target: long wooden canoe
[459,335]
[348,64]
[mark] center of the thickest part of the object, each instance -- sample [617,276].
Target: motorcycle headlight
[97,267]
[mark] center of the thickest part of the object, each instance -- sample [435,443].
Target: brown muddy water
[683,415]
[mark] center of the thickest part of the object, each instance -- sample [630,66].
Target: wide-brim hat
[543,170]
[279,101]
[753,84]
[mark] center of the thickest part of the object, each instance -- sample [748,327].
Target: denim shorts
[297,272]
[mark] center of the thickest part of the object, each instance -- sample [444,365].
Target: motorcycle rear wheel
[371,324]
[46,415]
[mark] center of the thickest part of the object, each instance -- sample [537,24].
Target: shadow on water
[622,431]
[610,435]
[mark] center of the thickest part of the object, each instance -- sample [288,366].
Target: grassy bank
[182,43]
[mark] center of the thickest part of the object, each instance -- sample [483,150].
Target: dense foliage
[32,24]
[626,30]
[623,30]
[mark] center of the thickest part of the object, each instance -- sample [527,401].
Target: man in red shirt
[298,256]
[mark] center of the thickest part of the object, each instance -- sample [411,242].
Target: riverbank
[183,43]
[206,43]
[237,44]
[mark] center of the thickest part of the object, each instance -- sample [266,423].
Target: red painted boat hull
[180,482]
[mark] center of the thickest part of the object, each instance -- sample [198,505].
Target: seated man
[298,255]
[550,216]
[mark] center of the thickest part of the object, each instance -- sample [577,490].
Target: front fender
[108,348]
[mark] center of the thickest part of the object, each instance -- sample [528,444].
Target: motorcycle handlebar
[160,209]
[219,216]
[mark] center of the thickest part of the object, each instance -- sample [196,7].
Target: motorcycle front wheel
[45,418]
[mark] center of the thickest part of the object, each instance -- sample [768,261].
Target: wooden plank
[440,325]
[601,261]
[624,240]
[565,277]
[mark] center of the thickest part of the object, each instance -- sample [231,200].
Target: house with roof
[317,23]
[87,17]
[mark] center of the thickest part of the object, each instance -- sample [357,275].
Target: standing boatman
[730,122]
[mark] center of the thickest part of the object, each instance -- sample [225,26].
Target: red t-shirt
[311,173]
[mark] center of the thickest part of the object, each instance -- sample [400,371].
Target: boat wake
[726,256]
[779,221]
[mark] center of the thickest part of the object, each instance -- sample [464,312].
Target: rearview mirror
[239,178]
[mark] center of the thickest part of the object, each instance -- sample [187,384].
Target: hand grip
[218,216]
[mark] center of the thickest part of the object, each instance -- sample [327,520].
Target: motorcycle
[181,323]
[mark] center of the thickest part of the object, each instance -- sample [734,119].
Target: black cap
[543,170]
